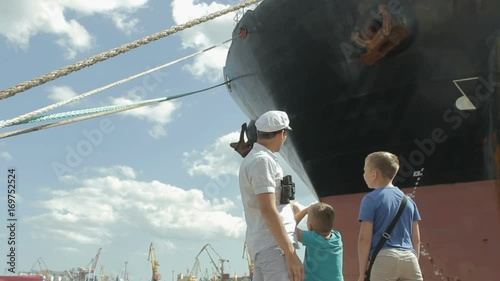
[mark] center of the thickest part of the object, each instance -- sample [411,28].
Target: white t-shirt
[260,173]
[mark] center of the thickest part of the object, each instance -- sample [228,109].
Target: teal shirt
[324,256]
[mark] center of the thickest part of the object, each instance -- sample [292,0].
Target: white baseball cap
[273,121]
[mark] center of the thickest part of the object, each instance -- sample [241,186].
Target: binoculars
[287,190]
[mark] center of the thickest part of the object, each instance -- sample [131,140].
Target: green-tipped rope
[85,114]
[82,112]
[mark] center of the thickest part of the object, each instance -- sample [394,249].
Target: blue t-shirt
[380,206]
[323,258]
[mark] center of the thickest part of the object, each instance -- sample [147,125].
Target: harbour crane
[104,277]
[90,276]
[44,271]
[205,276]
[249,259]
[125,273]
[154,263]
[220,271]
[191,275]
[70,276]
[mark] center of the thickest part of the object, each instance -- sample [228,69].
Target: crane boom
[44,270]
[196,268]
[220,271]
[215,264]
[249,259]
[96,258]
[125,273]
[154,263]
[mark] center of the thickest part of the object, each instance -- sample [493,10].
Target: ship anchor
[383,41]
[242,147]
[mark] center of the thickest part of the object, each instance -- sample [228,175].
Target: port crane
[104,277]
[68,273]
[154,263]
[249,259]
[125,272]
[191,275]
[45,272]
[220,271]
[90,274]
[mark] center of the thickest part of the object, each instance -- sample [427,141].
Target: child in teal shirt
[323,260]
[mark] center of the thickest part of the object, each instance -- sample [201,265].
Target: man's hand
[274,222]
[295,267]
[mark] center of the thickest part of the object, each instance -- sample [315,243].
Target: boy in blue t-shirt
[324,251]
[377,210]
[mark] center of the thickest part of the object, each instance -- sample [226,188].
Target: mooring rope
[93,113]
[32,114]
[9,92]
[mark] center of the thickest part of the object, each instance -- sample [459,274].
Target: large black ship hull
[300,57]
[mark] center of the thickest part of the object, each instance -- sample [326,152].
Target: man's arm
[364,245]
[416,238]
[275,224]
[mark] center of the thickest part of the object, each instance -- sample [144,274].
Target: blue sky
[163,174]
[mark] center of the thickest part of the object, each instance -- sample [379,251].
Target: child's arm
[301,214]
[299,234]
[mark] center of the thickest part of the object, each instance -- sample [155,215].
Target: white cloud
[61,93]
[5,155]
[22,19]
[69,250]
[209,65]
[118,171]
[125,24]
[69,179]
[98,6]
[213,32]
[159,114]
[216,160]
[166,246]
[74,38]
[90,213]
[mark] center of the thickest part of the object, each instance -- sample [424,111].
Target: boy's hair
[323,217]
[386,162]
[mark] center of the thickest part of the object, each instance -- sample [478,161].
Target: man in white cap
[270,235]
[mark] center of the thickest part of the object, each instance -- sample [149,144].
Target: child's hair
[323,217]
[386,162]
